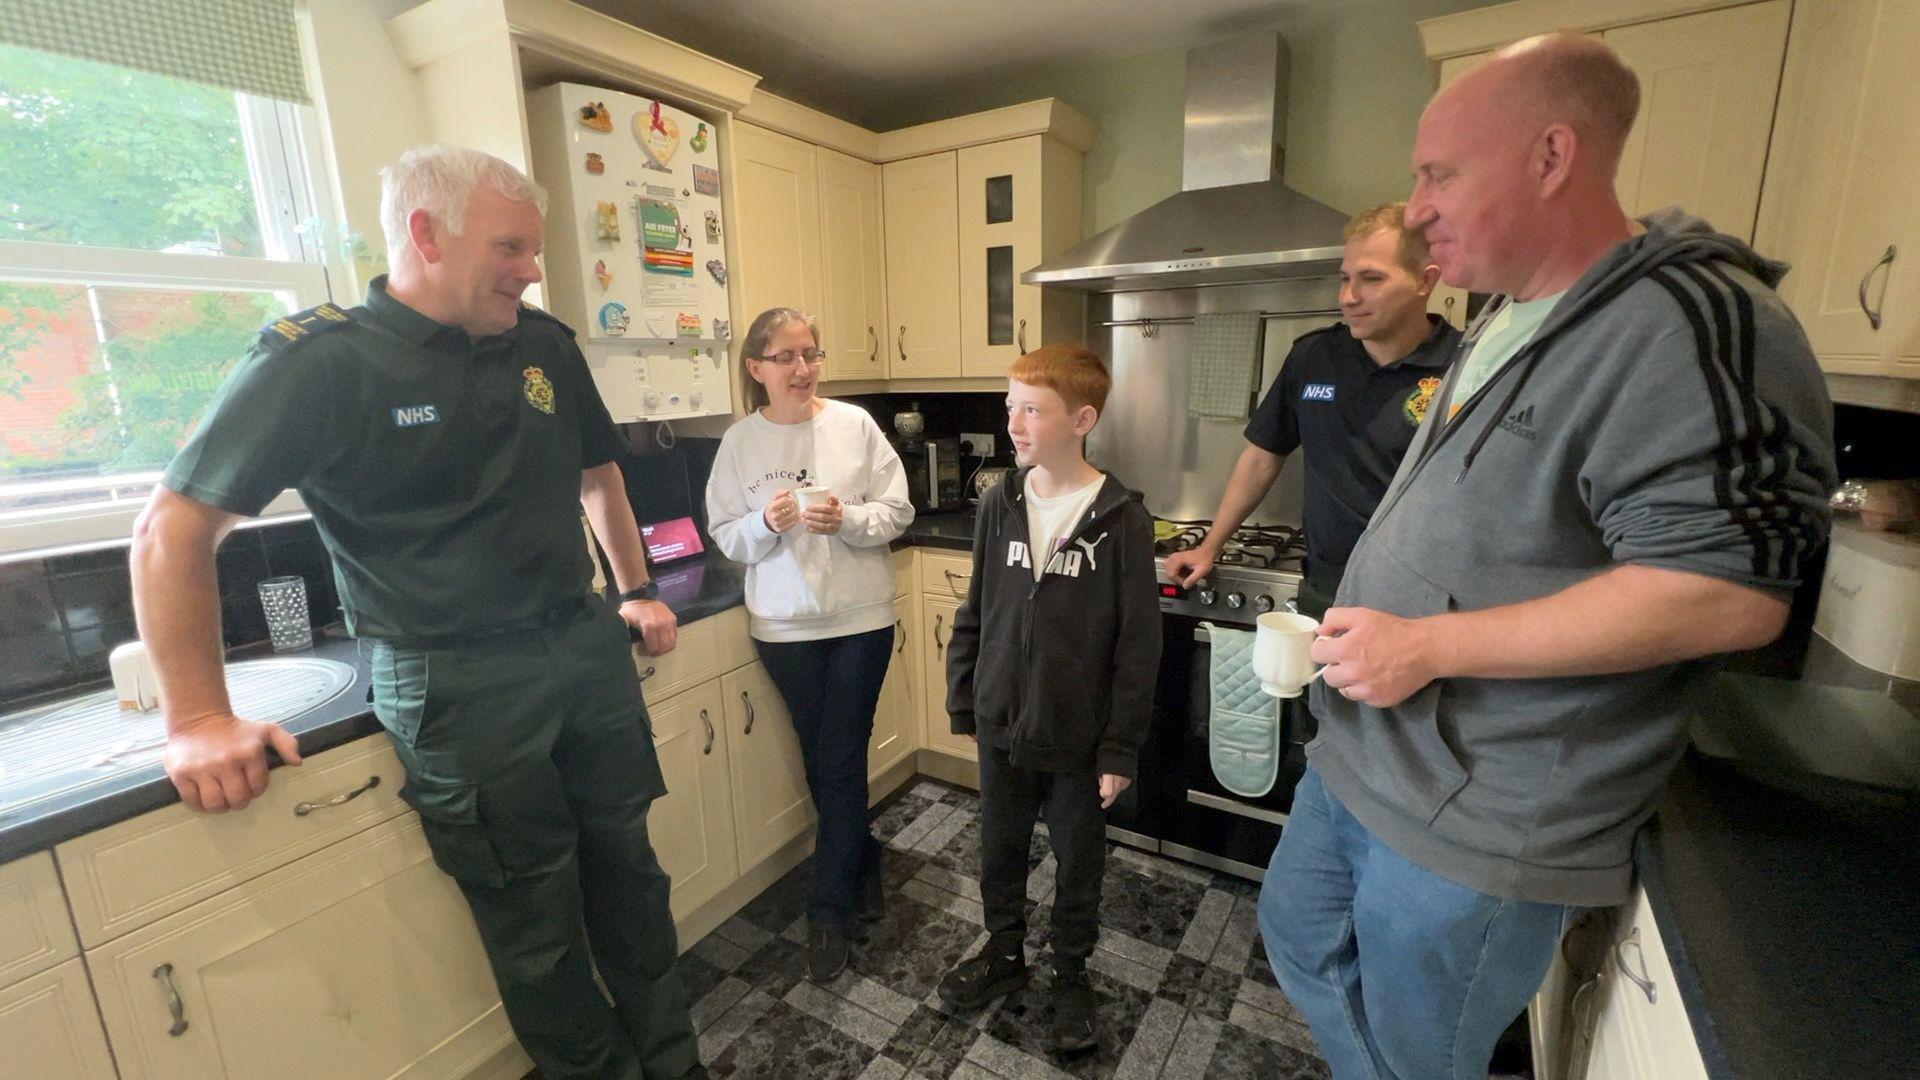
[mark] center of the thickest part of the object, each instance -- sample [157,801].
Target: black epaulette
[527,309]
[299,326]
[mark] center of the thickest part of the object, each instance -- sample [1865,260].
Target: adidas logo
[1521,424]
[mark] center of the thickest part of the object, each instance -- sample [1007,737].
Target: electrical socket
[982,444]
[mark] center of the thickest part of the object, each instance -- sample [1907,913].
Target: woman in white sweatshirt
[819,594]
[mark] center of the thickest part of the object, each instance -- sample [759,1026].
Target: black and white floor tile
[1184,985]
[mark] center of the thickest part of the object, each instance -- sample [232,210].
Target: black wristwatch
[649,591]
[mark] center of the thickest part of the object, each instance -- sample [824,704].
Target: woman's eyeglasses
[790,357]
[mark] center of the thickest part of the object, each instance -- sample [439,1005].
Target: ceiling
[865,60]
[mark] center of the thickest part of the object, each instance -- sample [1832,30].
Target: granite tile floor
[1184,984]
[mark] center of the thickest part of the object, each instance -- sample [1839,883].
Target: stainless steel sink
[60,748]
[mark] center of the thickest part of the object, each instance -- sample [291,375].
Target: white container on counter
[1870,599]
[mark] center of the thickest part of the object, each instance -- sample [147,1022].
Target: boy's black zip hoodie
[1058,673]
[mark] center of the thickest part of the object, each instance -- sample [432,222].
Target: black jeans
[831,687]
[1010,798]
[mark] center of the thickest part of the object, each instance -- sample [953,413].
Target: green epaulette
[541,313]
[299,326]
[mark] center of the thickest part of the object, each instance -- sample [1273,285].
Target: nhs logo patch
[415,415]
[1317,391]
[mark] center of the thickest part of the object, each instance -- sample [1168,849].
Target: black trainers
[973,983]
[871,906]
[827,949]
[1074,1007]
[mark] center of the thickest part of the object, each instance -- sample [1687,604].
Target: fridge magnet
[606,221]
[706,181]
[660,226]
[722,329]
[658,136]
[659,324]
[699,140]
[596,164]
[614,318]
[603,275]
[713,226]
[595,117]
[689,324]
[718,269]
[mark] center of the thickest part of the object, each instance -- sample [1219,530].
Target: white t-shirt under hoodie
[1050,522]
[805,586]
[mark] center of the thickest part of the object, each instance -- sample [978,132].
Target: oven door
[1198,819]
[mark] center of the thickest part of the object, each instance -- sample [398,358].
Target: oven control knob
[1208,596]
[1236,601]
[1263,603]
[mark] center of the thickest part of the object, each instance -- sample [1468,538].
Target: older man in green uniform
[445,437]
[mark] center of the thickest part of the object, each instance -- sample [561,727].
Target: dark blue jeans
[831,687]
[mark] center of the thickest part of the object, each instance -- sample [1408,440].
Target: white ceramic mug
[1283,652]
[810,497]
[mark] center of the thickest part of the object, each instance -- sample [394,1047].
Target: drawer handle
[647,674]
[1873,313]
[939,647]
[1022,337]
[164,975]
[873,346]
[747,700]
[707,720]
[899,636]
[951,578]
[305,808]
[1620,961]
[903,343]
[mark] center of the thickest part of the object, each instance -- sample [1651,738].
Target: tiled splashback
[61,616]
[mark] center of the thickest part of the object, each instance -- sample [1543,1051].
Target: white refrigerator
[635,248]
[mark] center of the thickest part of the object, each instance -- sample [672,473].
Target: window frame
[289,185]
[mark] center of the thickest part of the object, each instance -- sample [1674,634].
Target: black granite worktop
[952,530]
[1791,917]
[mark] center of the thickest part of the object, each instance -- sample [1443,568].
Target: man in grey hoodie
[1625,473]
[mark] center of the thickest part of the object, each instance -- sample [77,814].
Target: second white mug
[1283,652]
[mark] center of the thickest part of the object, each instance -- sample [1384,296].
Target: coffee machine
[933,474]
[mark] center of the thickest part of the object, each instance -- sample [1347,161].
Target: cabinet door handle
[747,700]
[164,976]
[1873,313]
[951,587]
[873,346]
[708,721]
[939,647]
[1639,979]
[305,808]
[1021,337]
[899,636]
[647,674]
[903,343]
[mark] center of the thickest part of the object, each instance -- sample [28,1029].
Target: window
[149,226]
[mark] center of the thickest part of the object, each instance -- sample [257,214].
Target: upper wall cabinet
[853,316]
[923,266]
[1019,203]
[777,195]
[1842,197]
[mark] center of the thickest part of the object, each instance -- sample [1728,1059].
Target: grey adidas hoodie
[1668,413]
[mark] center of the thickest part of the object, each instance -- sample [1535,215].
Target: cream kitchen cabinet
[1842,195]
[692,827]
[897,718]
[771,804]
[776,223]
[853,316]
[360,960]
[923,266]
[1018,204]
[936,620]
[1609,1009]
[50,1027]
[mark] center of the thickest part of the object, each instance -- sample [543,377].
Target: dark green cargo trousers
[530,759]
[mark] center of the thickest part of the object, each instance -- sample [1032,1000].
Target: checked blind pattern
[246,45]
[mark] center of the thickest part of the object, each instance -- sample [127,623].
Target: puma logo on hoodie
[1064,562]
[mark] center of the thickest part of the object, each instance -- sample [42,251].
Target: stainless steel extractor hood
[1234,221]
